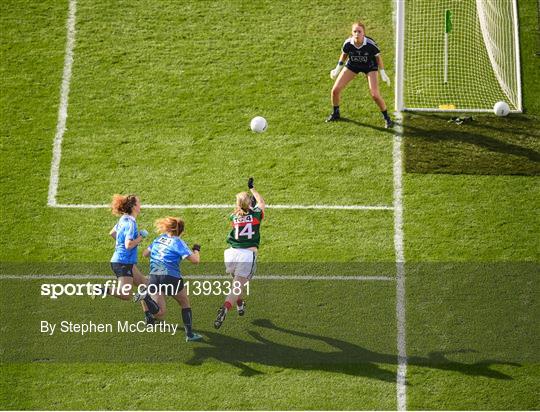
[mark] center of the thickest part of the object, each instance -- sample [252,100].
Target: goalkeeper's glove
[250,183]
[385,77]
[196,247]
[143,233]
[334,73]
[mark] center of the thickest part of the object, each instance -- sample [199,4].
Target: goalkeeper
[359,54]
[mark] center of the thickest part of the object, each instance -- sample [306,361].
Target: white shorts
[240,262]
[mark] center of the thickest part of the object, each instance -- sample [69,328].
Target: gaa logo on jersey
[243,219]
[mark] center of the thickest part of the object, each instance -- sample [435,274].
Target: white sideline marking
[401,377]
[218,206]
[188,277]
[63,107]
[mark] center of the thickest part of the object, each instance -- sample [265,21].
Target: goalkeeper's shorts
[240,262]
[362,69]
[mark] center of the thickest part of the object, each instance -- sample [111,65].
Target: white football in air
[258,124]
[501,109]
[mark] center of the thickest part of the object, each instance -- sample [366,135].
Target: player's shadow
[370,126]
[342,357]
[483,146]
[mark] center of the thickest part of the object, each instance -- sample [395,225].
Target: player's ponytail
[123,204]
[171,225]
[243,201]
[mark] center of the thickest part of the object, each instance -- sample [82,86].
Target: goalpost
[457,55]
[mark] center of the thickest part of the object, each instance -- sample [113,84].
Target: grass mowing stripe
[401,385]
[62,109]
[218,206]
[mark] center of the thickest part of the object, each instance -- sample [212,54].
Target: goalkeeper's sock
[385,114]
[187,319]
[336,110]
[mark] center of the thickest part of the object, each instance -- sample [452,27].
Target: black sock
[336,110]
[385,114]
[187,318]
[153,307]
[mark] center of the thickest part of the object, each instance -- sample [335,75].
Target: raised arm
[256,195]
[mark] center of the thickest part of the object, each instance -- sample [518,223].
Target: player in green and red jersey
[241,257]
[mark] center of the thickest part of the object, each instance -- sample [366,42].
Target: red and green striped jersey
[246,229]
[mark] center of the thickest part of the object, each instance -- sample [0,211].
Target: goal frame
[399,103]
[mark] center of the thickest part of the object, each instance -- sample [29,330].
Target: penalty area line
[208,277]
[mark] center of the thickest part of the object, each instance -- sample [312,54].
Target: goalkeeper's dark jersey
[363,58]
[246,229]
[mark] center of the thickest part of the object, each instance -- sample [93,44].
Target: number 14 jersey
[245,231]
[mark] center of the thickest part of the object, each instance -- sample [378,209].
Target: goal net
[457,55]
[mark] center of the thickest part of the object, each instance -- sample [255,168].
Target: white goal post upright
[518,55]
[400,55]
[477,67]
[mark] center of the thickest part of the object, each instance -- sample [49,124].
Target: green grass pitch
[161,95]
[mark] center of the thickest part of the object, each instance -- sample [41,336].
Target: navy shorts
[165,284]
[364,70]
[122,269]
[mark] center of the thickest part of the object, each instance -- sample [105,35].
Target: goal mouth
[457,59]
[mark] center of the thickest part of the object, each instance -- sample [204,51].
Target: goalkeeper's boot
[241,308]
[194,337]
[389,123]
[333,117]
[222,312]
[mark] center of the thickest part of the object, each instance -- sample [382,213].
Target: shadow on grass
[346,358]
[371,126]
[486,146]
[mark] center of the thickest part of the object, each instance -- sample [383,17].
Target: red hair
[123,204]
[172,225]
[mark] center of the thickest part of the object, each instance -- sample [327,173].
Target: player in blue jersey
[124,260]
[241,256]
[359,54]
[166,252]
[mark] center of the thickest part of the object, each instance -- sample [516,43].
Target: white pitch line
[61,128]
[401,376]
[188,277]
[220,206]
[63,107]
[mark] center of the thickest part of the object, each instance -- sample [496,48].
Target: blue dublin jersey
[166,252]
[126,229]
